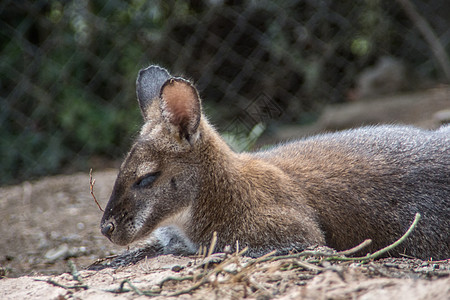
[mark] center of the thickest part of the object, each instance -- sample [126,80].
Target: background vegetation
[68,68]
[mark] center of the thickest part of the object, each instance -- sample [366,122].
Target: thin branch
[75,275]
[444,261]
[134,288]
[357,248]
[74,272]
[67,287]
[339,257]
[243,274]
[91,185]
[213,244]
[381,251]
[399,241]
[188,290]
[308,266]
[204,275]
[179,279]
[429,35]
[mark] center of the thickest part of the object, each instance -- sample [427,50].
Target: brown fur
[335,189]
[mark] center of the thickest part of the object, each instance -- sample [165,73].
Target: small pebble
[57,253]
[177,268]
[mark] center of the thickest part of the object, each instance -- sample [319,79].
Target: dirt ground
[52,224]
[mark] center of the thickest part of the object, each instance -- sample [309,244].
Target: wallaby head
[158,178]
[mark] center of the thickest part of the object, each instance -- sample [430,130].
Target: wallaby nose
[107,229]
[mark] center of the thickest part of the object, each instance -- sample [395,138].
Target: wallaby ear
[180,106]
[148,87]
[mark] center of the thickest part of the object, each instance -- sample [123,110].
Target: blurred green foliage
[66,101]
[68,68]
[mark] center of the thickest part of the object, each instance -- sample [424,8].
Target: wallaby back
[333,189]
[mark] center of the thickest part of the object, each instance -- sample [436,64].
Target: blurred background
[263,68]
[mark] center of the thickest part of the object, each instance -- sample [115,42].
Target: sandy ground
[264,281]
[52,224]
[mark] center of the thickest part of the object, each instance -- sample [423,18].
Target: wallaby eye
[147,180]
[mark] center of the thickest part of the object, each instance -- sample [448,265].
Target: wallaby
[182,182]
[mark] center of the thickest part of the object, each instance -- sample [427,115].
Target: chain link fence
[68,68]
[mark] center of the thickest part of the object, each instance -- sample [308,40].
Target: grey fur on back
[393,172]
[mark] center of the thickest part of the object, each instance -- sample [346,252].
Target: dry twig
[391,246]
[75,275]
[425,29]
[74,272]
[243,272]
[357,248]
[91,185]
[67,287]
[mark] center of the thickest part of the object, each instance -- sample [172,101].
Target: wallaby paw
[128,257]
